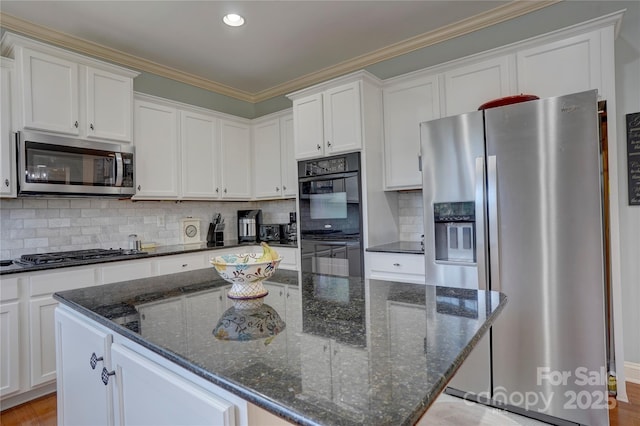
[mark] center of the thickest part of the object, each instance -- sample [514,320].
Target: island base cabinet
[148,394]
[82,353]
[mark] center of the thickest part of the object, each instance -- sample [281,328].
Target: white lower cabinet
[147,393]
[82,352]
[402,267]
[132,386]
[9,337]
[179,263]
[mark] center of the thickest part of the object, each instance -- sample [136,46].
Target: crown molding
[500,14]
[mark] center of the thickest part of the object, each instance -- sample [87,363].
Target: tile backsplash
[35,225]
[410,211]
[31,225]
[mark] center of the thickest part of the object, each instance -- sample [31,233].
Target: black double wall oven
[330,223]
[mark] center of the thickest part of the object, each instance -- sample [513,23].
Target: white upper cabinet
[406,105]
[49,92]
[328,123]
[468,87]
[289,164]
[157,151]
[199,147]
[274,164]
[267,159]
[63,92]
[7,145]
[235,163]
[109,103]
[562,67]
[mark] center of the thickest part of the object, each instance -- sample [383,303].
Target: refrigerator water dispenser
[455,233]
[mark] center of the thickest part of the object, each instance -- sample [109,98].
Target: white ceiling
[284,45]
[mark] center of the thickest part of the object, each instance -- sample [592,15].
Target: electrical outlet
[160,220]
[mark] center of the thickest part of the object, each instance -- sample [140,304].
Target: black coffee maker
[249,225]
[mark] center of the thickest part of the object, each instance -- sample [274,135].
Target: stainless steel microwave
[57,166]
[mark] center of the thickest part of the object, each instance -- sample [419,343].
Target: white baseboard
[632,372]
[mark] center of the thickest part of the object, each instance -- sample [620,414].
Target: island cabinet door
[147,393]
[82,354]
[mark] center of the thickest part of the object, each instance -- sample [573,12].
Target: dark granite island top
[353,351]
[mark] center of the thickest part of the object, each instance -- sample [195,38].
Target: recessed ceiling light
[233,20]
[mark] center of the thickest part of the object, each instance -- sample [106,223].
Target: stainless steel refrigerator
[512,202]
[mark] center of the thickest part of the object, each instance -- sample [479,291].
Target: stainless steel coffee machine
[249,225]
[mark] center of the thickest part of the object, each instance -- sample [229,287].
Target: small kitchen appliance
[270,232]
[249,225]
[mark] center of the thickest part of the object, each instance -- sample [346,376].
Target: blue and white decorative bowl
[245,271]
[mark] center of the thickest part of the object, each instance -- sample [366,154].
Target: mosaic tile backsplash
[45,225]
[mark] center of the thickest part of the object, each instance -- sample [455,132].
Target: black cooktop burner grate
[70,256]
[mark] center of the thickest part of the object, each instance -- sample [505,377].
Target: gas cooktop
[74,256]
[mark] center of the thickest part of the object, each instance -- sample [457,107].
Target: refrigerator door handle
[480,224]
[492,202]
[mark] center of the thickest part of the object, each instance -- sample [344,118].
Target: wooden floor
[42,411]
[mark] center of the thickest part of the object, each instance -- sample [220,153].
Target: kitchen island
[352,352]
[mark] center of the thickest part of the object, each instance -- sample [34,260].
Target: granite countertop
[411,247]
[15,268]
[353,351]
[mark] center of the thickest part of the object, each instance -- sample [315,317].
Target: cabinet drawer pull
[94,360]
[184,265]
[105,375]
[396,264]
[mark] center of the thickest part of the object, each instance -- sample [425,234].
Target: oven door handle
[319,178]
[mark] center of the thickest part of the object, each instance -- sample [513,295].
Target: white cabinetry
[147,393]
[274,165]
[41,317]
[82,352]
[64,92]
[199,150]
[9,337]
[402,267]
[561,67]
[179,263]
[235,164]
[134,390]
[328,123]
[7,146]
[407,103]
[157,152]
[467,87]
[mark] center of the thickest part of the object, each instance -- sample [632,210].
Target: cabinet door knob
[284,188]
[396,264]
[329,144]
[225,190]
[76,124]
[318,147]
[91,126]
[217,190]
[184,265]
[139,187]
[277,189]
[105,375]
[94,360]
[6,182]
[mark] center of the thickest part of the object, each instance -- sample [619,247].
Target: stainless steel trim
[480,221]
[494,243]
[119,169]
